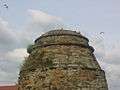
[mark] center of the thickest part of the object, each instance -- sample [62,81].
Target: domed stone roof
[60,32]
[61,37]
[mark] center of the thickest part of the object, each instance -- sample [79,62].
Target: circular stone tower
[61,60]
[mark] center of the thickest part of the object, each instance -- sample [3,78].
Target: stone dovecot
[61,60]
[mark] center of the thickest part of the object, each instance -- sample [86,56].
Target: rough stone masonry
[61,60]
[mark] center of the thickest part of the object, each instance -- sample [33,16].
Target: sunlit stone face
[61,60]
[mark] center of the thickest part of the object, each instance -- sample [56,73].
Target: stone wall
[61,62]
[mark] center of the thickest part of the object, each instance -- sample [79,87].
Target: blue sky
[25,20]
[90,14]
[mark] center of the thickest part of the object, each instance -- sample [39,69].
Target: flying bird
[102,32]
[6,6]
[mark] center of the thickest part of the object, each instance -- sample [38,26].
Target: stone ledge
[64,44]
[61,35]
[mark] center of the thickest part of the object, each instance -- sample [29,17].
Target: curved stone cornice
[64,44]
[61,33]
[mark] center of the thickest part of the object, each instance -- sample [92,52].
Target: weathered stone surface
[61,60]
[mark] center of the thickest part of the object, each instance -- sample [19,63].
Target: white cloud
[11,55]
[10,64]
[8,71]
[113,57]
[17,54]
[7,77]
[13,43]
[40,22]
[109,60]
[42,17]
[7,36]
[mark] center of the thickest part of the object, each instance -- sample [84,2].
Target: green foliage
[36,60]
[30,48]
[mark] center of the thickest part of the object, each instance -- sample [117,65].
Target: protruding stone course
[61,60]
[61,33]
